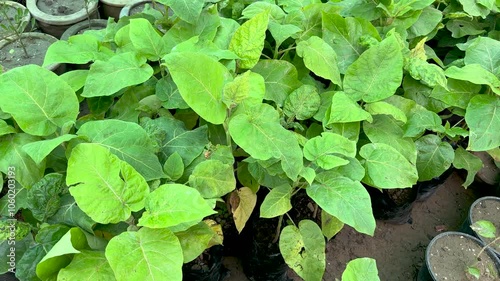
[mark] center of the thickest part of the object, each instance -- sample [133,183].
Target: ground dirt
[398,249]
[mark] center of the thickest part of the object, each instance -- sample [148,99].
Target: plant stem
[278,230]
[487,245]
[226,128]
[15,29]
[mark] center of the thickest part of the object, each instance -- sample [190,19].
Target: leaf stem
[278,230]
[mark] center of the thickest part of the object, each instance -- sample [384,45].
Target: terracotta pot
[55,18]
[12,10]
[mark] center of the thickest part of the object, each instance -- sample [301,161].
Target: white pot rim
[117,3]
[59,20]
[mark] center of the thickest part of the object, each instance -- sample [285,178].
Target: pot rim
[472,207]
[59,20]
[117,3]
[74,29]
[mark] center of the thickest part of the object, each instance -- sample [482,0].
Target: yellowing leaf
[243,210]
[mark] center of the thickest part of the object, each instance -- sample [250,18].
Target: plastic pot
[112,8]
[484,208]
[207,267]
[11,12]
[426,189]
[393,205]
[449,254]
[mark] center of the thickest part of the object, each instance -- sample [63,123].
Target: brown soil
[12,55]
[60,7]
[451,255]
[488,209]
[398,249]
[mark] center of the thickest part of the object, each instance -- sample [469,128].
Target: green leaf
[385,108]
[5,128]
[22,246]
[167,91]
[429,74]
[427,22]
[475,9]
[361,269]
[345,199]
[187,10]
[423,120]
[330,225]
[303,249]
[105,78]
[173,204]
[195,240]
[247,200]
[75,78]
[345,110]
[258,132]
[344,34]
[281,32]
[174,167]
[308,174]
[474,271]
[325,150]
[38,100]
[476,74]
[61,253]
[386,167]
[70,214]
[146,39]
[434,157]
[468,161]
[248,87]
[154,254]
[377,73]
[258,7]
[248,40]
[44,196]
[280,78]
[200,80]
[483,118]
[458,94]
[484,228]
[26,170]
[320,58]
[277,202]
[87,265]
[421,94]
[105,187]
[78,49]
[128,141]
[40,149]
[294,5]
[302,103]
[485,52]
[213,179]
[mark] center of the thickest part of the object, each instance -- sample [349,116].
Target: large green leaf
[213,179]
[320,58]
[344,110]
[468,161]
[277,202]
[330,225]
[458,94]
[187,10]
[326,150]
[105,78]
[200,80]
[146,39]
[344,34]
[248,40]
[154,254]
[44,196]
[345,199]
[87,266]
[422,120]
[377,73]
[40,149]
[361,269]
[385,108]
[303,249]
[302,103]
[248,87]
[484,51]
[127,140]
[476,74]
[280,78]
[39,100]
[105,187]
[386,167]
[173,204]
[195,240]
[70,214]
[259,132]
[434,157]
[483,118]
[78,49]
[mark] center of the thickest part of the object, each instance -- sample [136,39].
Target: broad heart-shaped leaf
[61,254]
[200,80]
[39,100]
[127,140]
[483,118]
[146,39]
[40,149]
[281,32]
[345,199]
[213,179]
[173,204]
[434,157]
[105,187]
[386,167]
[468,161]
[248,40]
[458,94]
[381,107]
[44,196]
[320,58]
[322,150]
[187,10]
[154,254]
[422,120]
[248,87]
[14,157]
[258,131]
[280,77]
[242,210]
[303,249]
[195,240]
[484,51]
[302,103]
[476,74]
[277,202]
[105,78]
[361,269]
[87,266]
[344,34]
[78,49]
[377,73]
[475,8]
[345,110]
[70,214]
